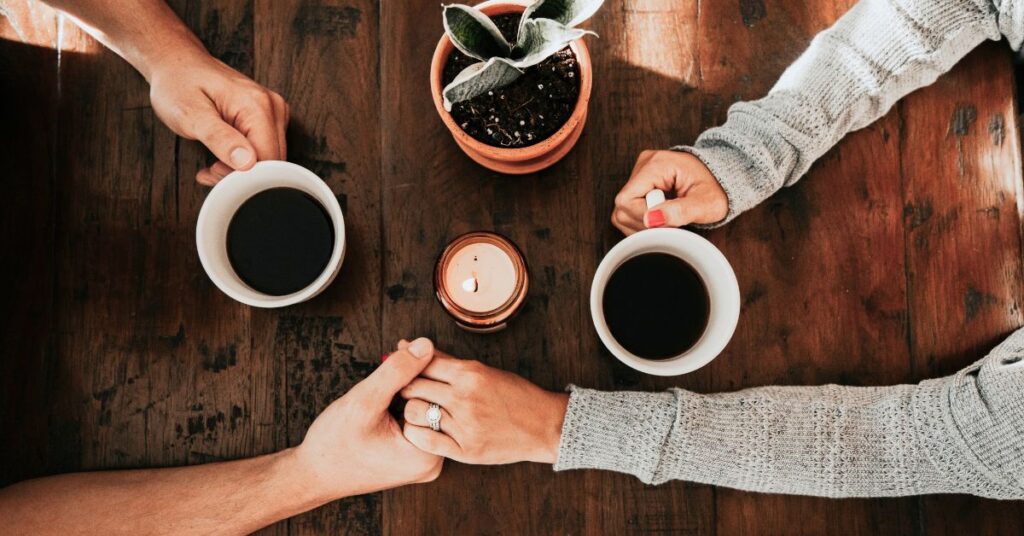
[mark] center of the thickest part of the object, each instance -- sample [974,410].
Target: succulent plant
[546,27]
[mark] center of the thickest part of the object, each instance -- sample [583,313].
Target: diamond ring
[434,417]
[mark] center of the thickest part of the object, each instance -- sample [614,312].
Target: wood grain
[964,260]
[830,248]
[28,106]
[902,246]
[432,193]
[322,57]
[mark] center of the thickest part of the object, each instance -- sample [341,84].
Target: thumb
[400,368]
[224,141]
[673,213]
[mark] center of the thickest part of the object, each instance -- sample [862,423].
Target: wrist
[300,477]
[552,416]
[181,50]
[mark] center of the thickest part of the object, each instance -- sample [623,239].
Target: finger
[646,176]
[444,368]
[431,391]
[427,440]
[206,178]
[675,213]
[626,222]
[226,143]
[259,125]
[220,169]
[416,413]
[394,373]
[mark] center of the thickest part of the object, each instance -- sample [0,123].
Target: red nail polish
[655,218]
[384,357]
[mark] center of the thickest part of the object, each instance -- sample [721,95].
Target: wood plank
[433,192]
[150,356]
[322,57]
[964,257]
[645,97]
[28,105]
[150,364]
[828,249]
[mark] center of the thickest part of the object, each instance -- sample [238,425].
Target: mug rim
[236,180]
[710,264]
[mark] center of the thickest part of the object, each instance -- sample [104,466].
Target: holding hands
[488,416]
[698,196]
[355,446]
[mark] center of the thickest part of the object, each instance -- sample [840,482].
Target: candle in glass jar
[481,280]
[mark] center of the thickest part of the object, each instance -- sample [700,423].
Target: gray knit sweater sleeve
[959,434]
[849,77]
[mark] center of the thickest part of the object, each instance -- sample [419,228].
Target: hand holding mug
[355,446]
[488,416]
[698,196]
[201,98]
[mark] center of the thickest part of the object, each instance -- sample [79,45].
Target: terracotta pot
[524,159]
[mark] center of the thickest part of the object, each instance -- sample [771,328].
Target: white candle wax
[481,277]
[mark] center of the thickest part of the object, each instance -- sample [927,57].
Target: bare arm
[235,497]
[194,94]
[353,447]
[143,32]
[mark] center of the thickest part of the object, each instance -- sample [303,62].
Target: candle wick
[471,284]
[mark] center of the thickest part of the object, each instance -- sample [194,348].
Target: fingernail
[240,156]
[420,348]
[655,218]
[384,357]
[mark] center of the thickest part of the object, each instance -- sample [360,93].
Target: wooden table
[898,259]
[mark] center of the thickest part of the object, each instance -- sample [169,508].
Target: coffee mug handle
[654,198]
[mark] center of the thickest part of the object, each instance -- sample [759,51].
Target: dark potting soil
[526,111]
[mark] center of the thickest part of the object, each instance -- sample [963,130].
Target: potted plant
[511,80]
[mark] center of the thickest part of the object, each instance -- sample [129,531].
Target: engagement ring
[434,417]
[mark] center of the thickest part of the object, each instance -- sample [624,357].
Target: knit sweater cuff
[618,431]
[734,173]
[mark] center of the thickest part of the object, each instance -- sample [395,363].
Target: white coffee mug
[225,199]
[712,267]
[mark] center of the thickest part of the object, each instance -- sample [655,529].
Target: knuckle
[258,101]
[265,98]
[464,399]
[474,380]
[470,366]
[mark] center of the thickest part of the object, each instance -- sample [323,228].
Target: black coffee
[280,240]
[656,305]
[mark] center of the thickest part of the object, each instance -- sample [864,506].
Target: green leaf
[478,79]
[474,33]
[568,12]
[540,38]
